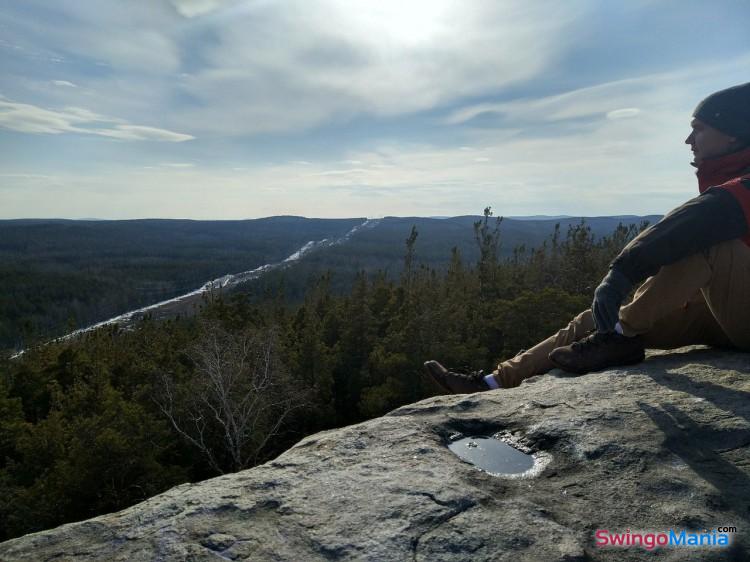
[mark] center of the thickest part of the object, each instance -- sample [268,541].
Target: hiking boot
[456,383]
[598,351]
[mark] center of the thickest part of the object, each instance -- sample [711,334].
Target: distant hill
[540,217]
[57,275]
[383,247]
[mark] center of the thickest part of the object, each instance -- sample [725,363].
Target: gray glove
[607,300]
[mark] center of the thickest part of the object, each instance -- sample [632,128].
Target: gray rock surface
[665,444]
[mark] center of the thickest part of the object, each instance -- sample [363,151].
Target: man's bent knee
[582,324]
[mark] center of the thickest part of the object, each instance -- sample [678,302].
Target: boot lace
[471,375]
[593,339]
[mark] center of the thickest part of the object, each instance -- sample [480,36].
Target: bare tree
[234,400]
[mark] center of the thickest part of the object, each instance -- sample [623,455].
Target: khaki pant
[702,299]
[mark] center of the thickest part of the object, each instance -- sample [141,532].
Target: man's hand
[607,300]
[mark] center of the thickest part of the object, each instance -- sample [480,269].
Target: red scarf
[726,171]
[716,171]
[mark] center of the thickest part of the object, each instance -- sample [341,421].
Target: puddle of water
[491,455]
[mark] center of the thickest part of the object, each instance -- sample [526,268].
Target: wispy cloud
[596,101]
[139,132]
[652,97]
[177,164]
[193,8]
[343,59]
[26,176]
[222,66]
[624,113]
[346,172]
[27,118]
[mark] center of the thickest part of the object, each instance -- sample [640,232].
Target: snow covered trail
[226,281]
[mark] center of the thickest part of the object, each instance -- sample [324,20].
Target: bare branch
[235,400]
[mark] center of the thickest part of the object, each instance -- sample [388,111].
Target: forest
[57,276]
[96,424]
[60,275]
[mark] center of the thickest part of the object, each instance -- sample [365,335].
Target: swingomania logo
[671,538]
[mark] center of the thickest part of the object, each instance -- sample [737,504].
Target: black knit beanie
[728,111]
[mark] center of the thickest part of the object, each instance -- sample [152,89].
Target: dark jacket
[721,212]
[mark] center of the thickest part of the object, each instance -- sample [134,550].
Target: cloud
[610,170]
[347,172]
[129,37]
[278,67]
[177,164]
[139,132]
[193,8]
[616,166]
[28,118]
[618,100]
[254,67]
[624,113]
[530,136]
[26,176]
[600,101]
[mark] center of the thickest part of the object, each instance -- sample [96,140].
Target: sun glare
[404,22]
[398,22]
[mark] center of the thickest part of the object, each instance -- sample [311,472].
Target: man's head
[721,124]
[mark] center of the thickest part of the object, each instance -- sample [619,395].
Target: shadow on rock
[736,402]
[697,448]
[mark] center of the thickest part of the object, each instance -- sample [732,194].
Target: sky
[235,109]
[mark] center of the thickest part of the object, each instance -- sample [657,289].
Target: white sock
[491,381]
[618,328]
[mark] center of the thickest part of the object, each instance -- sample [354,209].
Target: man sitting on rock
[696,259]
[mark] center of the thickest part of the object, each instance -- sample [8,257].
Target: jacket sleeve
[715,216]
